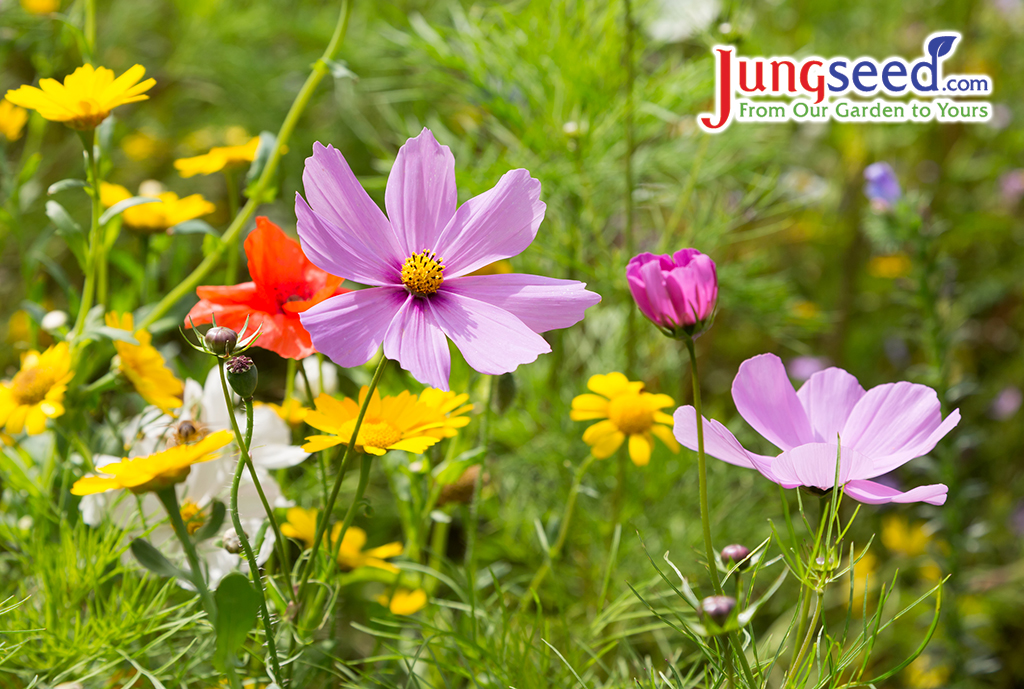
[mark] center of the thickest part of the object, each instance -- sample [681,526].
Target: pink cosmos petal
[872,493]
[658,297]
[418,344]
[766,399]
[491,339]
[639,290]
[814,464]
[541,303]
[916,449]
[348,328]
[828,397]
[718,442]
[695,284]
[893,418]
[350,225]
[421,197]
[499,223]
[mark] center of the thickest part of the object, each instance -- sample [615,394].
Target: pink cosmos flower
[879,430]
[417,262]
[676,292]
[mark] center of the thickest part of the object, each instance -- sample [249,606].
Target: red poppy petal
[244,293]
[274,257]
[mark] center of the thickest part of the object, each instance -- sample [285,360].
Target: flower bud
[881,185]
[221,340]
[242,376]
[676,292]
[717,609]
[736,553]
[232,543]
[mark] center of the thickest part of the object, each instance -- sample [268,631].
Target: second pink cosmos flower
[418,262]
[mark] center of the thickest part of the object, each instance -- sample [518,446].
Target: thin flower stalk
[94,251]
[246,459]
[250,557]
[233,233]
[336,488]
[702,472]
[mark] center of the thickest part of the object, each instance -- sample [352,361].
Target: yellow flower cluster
[217,159]
[627,412]
[404,422]
[86,97]
[144,366]
[301,526]
[156,471]
[160,215]
[36,393]
[12,120]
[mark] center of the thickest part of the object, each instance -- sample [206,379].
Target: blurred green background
[807,268]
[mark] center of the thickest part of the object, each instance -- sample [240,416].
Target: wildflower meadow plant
[274,422]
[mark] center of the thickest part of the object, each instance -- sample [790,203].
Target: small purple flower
[881,185]
[676,292]
[1006,403]
[1011,186]
[418,262]
[879,430]
[803,367]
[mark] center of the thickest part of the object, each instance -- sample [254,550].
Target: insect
[187,431]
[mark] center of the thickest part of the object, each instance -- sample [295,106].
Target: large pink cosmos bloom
[676,292]
[879,429]
[417,262]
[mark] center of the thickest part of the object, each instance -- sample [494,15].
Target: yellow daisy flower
[627,411]
[12,120]
[159,215]
[156,471]
[291,411]
[404,601]
[36,393]
[144,366]
[301,525]
[86,97]
[40,6]
[403,422]
[217,159]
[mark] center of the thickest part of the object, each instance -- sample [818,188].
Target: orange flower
[284,284]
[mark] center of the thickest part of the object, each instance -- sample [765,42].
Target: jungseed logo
[813,82]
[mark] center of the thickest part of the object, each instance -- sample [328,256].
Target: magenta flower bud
[735,553]
[676,292]
[718,608]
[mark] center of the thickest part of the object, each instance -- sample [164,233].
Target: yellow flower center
[31,385]
[192,515]
[423,273]
[630,414]
[382,435]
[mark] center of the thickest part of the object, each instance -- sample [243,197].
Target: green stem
[474,505]
[264,183]
[94,252]
[231,184]
[250,557]
[795,667]
[563,529]
[329,507]
[702,471]
[90,30]
[169,499]
[365,464]
[630,150]
[245,458]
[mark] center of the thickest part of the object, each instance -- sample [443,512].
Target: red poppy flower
[284,284]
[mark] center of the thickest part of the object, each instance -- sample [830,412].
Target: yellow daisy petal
[640,447]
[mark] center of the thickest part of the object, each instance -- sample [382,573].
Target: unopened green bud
[221,340]
[242,376]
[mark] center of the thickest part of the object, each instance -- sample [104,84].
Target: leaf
[339,70]
[30,167]
[450,471]
[69,230]
[64,185]
[237,605]
[941,45]
[212,525]
[121,206]
[153,560]
[112,334]
[268,142]
[194,227]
